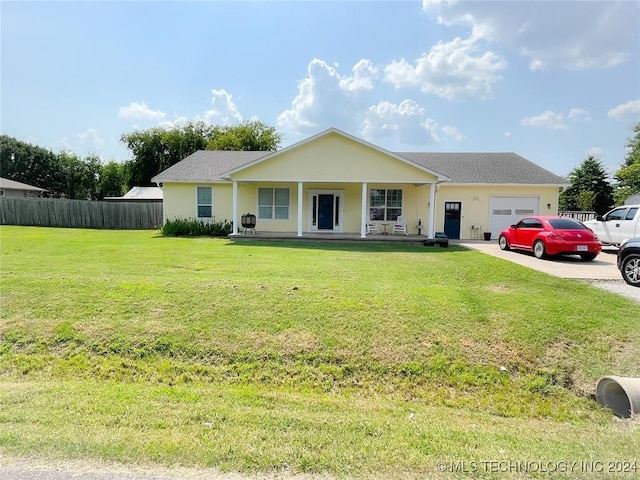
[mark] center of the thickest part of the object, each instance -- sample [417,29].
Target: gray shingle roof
[7,184]
[488,168]
[206,166]
[465,168]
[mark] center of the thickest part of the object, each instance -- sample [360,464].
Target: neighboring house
[11,188]
[633,200]
[335,182]
[139,194]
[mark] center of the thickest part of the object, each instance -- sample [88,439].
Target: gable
[334,157]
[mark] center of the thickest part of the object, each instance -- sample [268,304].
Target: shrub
[194,228]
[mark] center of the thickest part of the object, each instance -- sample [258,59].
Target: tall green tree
[589,184]
[80,176]
[30,164]
[628,176]
[157,149]
[112,180]
[248,136]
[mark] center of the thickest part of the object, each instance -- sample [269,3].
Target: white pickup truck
[617,226]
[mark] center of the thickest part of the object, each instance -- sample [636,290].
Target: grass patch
[322,354]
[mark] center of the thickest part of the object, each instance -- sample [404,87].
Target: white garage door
[505,211]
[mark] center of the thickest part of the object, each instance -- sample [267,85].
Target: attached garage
[505,211]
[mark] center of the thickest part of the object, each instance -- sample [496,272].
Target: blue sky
[552,81]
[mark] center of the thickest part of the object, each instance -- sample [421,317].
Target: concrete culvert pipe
[620,394]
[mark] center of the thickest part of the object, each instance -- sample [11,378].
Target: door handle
[617,224]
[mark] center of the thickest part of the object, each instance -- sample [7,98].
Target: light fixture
[549,206]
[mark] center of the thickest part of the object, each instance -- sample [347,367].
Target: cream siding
[179,201]
[333,158]
[476,199]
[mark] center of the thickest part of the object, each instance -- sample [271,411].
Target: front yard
[346,359]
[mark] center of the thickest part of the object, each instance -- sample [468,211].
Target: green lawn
[350,359]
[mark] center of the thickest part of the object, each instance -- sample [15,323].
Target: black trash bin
[487,236]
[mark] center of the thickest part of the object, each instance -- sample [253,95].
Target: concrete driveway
[602,268]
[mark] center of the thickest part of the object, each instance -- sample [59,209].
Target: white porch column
[299,209]
[363,214]
[432,211]
[235,207]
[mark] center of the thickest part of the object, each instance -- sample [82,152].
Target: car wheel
[630,269]
[587,257]
[539,250]
[504,244]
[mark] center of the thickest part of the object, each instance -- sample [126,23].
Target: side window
[204,199]
[616,214]
[535,224]
[529,223]
[631,214]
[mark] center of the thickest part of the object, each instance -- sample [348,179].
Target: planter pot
[487,236]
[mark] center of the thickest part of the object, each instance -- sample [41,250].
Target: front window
[273,203]
[616,214]
[385,204]
[204,202]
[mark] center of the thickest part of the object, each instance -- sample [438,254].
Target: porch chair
[400,225]
[372,227]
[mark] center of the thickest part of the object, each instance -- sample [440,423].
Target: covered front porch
[336,209]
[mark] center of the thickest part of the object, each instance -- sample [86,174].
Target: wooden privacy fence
[56,212]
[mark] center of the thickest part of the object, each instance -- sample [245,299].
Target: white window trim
[198,217]
[272,218]
[385,206]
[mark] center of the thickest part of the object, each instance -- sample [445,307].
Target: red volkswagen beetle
[546,236]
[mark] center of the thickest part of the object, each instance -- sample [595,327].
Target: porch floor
[343,237]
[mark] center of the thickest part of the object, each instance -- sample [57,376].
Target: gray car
[629,261]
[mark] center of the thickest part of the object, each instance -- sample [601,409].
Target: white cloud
[507,134]
[576,34]
[548,119]
[452,70]
[404,124]
[91,138]
[140,111]
[324,98]
[579,115]
[176,122]
[453,133]
[364,72]
[224,110]
[625,111]
[596,152]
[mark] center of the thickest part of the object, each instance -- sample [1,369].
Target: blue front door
[325,212]
[452,215]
